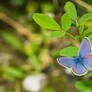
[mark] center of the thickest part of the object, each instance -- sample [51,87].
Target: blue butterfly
[82,63]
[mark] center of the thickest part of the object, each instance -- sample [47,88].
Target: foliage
[45,21]
[83,85]
[68,20]
[71,10]
[14,41]
[56,34]
[90,38]
[69,51]
[84,18]
[47,7]
[11,73]
[17,2]
[29,48]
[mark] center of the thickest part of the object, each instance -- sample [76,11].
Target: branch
[17,26]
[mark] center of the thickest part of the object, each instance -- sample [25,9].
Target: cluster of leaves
[30,53]
[68,20]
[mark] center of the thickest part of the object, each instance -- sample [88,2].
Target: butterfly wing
[85,47]
[79,69]
[87,61]
[67,62]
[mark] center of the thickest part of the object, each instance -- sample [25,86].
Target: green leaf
[78,37]
[87,32]
[83,86]
[49,90]
[84,18]
[17,2]
[46,21]
[69,51]
[34,47]
[90,38]
[12,72]
[66,22]
[89,23]
[57,34]
[35,62]
[74,24]
[89,74]
[14,41]
[81,29]
[2,90]
[71,10]
[48,7]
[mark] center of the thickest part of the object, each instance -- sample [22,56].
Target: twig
[84,4]
[75,43]
[68,34]
[17,86]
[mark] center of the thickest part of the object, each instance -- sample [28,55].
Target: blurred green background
[28,50]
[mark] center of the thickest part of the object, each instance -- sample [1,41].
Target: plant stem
[68,34]
[74,41]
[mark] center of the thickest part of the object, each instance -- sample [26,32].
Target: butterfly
[82,63]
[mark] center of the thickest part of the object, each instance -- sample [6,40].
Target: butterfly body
[78,59]
[82,63]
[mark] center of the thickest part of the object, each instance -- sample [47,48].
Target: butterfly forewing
[85,47]
[66,61]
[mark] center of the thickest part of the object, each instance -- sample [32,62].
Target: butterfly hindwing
[87,61]
[79,69]
[85,47]
[66,61]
